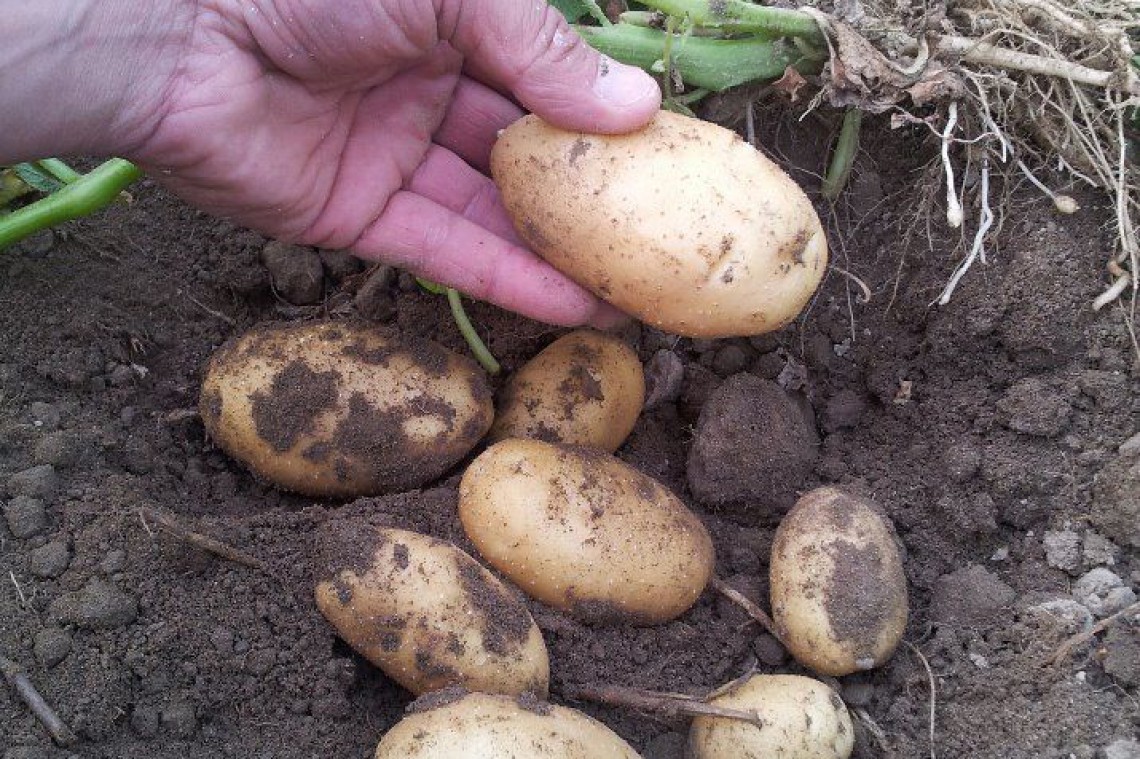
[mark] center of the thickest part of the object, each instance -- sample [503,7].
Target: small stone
[340,264]
[113,562]
[1062,549]
[49,560]
[1123,748]
[664,377]
[179,719]
[730,359]
[375,300]
[296,272]
[1074,617]
[1000,554]
[25,516]
[44,415]
[37,482]
[98,605]
[1096,582]
[1032,407]
[1097,550]
[51,645]
[1131,446]
[144,720]
[1115,600]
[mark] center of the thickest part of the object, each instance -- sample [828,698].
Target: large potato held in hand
[585,388]
[343,408]
[800,718]
[682,224]
[481,726]
[584,532]
[427,613]
[838,589]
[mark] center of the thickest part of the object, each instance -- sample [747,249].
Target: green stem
[708,63]
[59,170]
[597,13]
[84,196]
[844,156]
[656,20]
[739,16]
[469,334]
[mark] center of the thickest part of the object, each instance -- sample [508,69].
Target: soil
[994,431]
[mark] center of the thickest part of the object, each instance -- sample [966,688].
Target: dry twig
[19,682]
[662,704]
[198,540]
[754,610]
[933,691]
[1084,637]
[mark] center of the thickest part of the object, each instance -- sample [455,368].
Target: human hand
[366,125]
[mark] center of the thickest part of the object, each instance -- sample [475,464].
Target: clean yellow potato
[428,614]
[839,596]
[801,718]
[343,408]
[584,532]
[585,388]
[682,224]
[480,726]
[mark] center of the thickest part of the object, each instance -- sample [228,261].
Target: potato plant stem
[59,170]
[469,334]
[84,196]
[712,64]
[843,158]
[740,16]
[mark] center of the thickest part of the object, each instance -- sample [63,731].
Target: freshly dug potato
[801,718]
[451,725]
[682,224]
[583,532]
[343,408]
[585,388]
[428,614]
[838,590]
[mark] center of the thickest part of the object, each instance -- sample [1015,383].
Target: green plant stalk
[739,16]
[654,19]
[711,64]
[843,158]
[483,355]
[82,197]
[59,170]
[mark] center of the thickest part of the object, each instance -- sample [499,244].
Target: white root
[954,214]
[977,250]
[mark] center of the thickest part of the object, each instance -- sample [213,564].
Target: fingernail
[622,85]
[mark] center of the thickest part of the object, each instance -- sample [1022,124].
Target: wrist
[85,76]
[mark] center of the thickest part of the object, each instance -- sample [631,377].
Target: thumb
[525,47]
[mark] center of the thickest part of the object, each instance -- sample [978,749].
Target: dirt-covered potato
[427,613]
[801,718]
[450,725]
[584,532]
[838,589]
[585,388]
[343,408]
[682,224]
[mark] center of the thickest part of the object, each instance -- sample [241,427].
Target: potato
[801,718]
[839,596]
[428,614]
[451,725]
[682,224]
[585,388]
[585,533]
[343,408]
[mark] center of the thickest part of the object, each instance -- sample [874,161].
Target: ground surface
[989,429]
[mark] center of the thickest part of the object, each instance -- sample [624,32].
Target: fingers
[426,238]
[446,179]
[526,47]
[473,121]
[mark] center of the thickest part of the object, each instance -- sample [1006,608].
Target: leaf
[575,10]
[37,178]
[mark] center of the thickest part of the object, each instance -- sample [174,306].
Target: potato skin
[428,614]
[682,224]
[343,408]
[802,719]
[584,532]
[481,726]
[585,388]
[839,595]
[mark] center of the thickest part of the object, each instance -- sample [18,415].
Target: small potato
[682,224]
[839,596]
[801,718]
[453,725]
[583,532]
[343,408]
[585,388]
[428,614]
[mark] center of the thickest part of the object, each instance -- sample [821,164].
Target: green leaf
[430,286]
[575,10]
[37,178]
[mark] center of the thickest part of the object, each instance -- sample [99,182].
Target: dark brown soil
[989,430]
